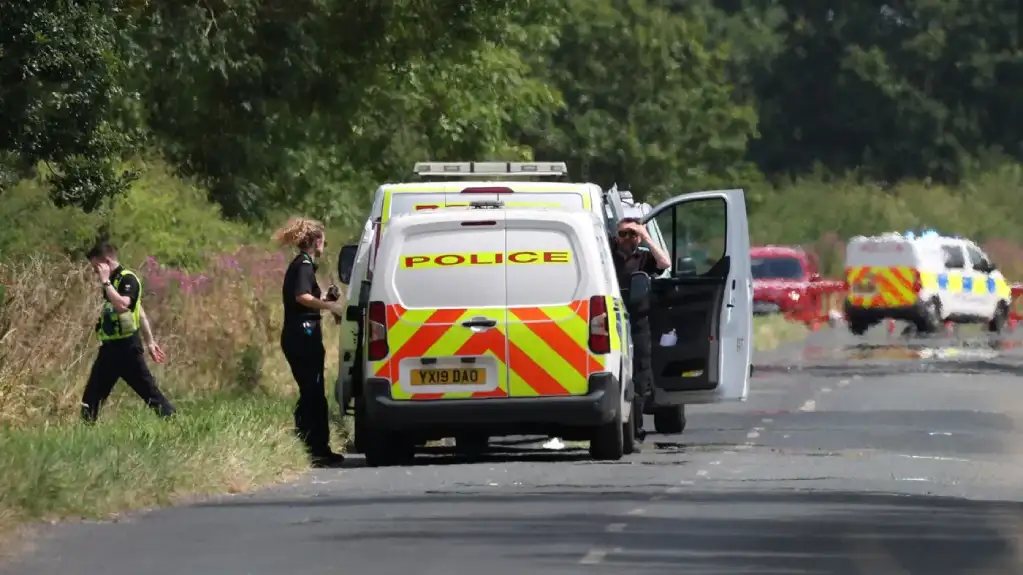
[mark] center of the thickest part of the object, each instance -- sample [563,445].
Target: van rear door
[446,328]
[701,315]
[548,327]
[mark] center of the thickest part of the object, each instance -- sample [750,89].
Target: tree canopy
[312,103]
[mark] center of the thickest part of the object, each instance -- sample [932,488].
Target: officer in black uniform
[302,337]
[121,353]
[638,253]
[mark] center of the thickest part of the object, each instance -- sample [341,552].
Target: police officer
[636,252]
[121,352]
[302,337]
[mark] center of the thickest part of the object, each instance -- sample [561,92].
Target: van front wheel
[608,441]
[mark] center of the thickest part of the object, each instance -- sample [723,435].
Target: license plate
[453,376]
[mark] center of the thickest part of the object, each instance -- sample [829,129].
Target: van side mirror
[639,291]
[346,263]
[685,266]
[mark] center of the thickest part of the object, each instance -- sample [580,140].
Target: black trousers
[122,359]
[642,365]
[302,344]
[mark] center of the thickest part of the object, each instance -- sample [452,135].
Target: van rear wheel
[608,441]
[629,427]
[1001,318]
[670,420]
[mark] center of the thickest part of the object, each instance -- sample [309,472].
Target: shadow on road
[723,532]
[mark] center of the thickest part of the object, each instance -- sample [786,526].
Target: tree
[60,94]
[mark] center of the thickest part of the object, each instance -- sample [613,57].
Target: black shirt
[299,279]
[640,260]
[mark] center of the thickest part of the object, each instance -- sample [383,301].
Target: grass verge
[772,331]
[135,460]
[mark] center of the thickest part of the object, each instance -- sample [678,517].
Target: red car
[780,277]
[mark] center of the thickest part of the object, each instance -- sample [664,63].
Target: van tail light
[487,190]
[918,284]
[377,320]
[600,329]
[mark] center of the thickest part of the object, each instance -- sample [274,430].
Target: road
[844,460]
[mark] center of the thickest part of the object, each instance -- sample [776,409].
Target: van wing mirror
[346,263]
[685,266]
[639,292]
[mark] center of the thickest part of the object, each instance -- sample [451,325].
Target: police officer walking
[638,253]
[121,352]
[302,337]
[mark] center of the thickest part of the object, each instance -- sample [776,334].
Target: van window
[405,203]
[451,269]
[954,259]
[550,271]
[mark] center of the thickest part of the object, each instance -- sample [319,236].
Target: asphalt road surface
[883,458]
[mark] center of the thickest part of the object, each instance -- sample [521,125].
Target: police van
[485,321]
[923,279]
[452,185]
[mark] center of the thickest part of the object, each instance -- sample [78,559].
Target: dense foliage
[307,105]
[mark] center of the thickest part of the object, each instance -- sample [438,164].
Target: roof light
[468,169]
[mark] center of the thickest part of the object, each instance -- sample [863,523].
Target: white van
[454,289]
[450,185]
[924,279]
[484,322]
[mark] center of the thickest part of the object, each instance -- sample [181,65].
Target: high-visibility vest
[114,325]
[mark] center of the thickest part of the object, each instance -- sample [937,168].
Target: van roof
[458,186]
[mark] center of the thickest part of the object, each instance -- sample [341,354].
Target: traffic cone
[891,327]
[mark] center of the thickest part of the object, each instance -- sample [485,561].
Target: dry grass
[225,373]
[220,331]
[771,331]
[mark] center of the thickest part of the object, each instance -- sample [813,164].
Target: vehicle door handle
[479,322]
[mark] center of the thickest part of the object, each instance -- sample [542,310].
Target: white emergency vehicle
[925,279]
[434,289]
[453,184]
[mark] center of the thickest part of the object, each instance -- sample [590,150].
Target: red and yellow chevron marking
[891,286]
[540,351]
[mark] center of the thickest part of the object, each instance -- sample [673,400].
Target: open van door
[701,314]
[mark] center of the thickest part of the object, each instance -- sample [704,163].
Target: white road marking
[810,405]
[911,479]
[753,435]
[615,528]
[767,420]
[637,511]
[678,489]
[702,473]
[935,458]
[826,390]
[715,463]
[657,498]
[843,383]
[593,557]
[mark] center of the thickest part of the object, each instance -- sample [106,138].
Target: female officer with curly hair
[302,337]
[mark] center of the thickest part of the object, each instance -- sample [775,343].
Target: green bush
[161,216]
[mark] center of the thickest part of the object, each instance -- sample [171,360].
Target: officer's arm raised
[121,303]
